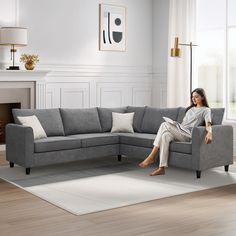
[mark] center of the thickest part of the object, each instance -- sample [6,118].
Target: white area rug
[90,186]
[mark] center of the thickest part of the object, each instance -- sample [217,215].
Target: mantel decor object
[13,37]
[176,52]
[30,60]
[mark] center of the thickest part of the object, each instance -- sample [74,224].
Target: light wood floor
[203,213]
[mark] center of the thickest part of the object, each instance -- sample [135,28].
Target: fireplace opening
[6,117]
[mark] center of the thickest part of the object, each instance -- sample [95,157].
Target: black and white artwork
[112,28]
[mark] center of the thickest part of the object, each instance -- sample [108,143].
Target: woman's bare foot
[159,171]
[147,162]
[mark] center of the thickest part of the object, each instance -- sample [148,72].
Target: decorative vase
[29,65]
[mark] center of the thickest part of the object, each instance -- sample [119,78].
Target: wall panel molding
[75,96]
[142,95]
[90,86]
[60,70]
[40,95]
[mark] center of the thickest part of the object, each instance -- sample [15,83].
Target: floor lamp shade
[14,37]
[176,52]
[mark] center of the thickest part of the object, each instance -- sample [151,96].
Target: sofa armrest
[218,153]
[19,144]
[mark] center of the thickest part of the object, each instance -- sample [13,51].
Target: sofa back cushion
[153,118]
[181,114]
[50,119]
[105,116]
[217,115]
[138,117]
[80,121]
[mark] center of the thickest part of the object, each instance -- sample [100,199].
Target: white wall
[8,12]
[67,32]
[8,17]
[65,35]
[160,51]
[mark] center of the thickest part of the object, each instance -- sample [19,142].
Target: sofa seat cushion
[137,139]
[182,147]
[56,143]
[96,139]
[146,140]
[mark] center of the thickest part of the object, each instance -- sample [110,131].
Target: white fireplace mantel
[36,76]
[23,75]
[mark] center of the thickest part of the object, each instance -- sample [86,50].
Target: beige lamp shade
[13,37]
[16,36]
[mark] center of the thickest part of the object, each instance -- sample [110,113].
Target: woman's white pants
[167,133]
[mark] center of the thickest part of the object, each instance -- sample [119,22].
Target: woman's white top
[196,116]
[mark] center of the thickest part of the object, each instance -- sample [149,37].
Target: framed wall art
[112,28]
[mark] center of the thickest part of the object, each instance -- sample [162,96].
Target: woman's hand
[208,138]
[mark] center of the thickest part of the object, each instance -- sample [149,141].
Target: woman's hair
[202,93]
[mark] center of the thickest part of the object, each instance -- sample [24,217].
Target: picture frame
[112,27]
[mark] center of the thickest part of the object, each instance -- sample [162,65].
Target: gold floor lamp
[176,52]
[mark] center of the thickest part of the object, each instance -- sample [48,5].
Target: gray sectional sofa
[75,134]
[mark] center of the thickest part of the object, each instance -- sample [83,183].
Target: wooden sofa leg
[227,168]
[198,173]
[119,157]
[27,171]
[11,164]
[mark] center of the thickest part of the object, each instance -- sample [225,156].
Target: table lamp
[14,37]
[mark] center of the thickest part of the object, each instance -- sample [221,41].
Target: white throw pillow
[33,122]
[122,122]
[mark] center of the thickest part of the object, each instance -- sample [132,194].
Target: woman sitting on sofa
[195,115]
